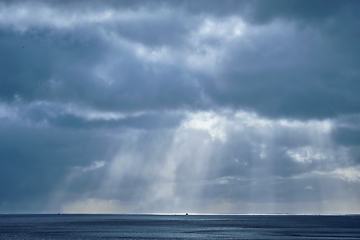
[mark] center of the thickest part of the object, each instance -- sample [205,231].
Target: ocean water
[84,226]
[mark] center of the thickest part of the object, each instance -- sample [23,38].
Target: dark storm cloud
[27,72]
[310,73]
[307,11]
[294,74]
[257,11]
[347,130]
[347,136]
[56,67]
[290,74]
[34,161]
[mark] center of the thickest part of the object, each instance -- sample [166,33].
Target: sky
[180,106]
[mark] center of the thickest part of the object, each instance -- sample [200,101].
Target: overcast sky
[180,106]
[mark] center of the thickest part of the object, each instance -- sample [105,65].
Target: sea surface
[99,226]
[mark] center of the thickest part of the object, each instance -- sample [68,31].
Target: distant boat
[186,214]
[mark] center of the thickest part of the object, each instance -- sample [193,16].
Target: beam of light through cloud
[228,157]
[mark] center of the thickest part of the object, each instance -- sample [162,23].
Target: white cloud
[307,154]
[6,111]
[23,16]
[221,29]
[309,188]
[211,122]
[350,174]
[95,165]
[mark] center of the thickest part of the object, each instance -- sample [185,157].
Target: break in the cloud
[179,106]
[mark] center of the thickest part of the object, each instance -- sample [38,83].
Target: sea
[153,226]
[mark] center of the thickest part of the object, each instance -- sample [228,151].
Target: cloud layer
[186,106]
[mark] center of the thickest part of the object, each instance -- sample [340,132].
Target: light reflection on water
[83,226]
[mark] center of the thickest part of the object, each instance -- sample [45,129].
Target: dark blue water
[179,227]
